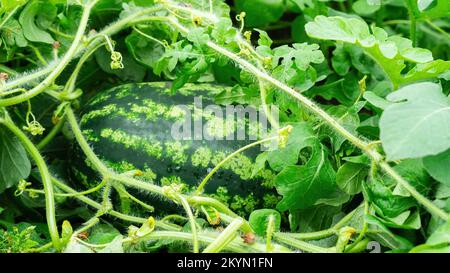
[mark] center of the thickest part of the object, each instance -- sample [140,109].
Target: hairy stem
[225,237]
[59,67]
[192,223]
[114,213]
[226,159]
[282,238]
[46,180]
[413,22]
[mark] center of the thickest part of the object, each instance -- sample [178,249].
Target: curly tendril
[33,126]
[21,187]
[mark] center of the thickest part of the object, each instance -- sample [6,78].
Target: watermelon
[130,128]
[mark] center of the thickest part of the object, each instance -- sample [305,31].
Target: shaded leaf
[438,167]
[350,177]
[14,162]
[385,236]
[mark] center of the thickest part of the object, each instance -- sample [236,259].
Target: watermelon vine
[184,42]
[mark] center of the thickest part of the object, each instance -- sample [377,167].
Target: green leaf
[302,136]
[30,30]
[358,159]
[260,12]
[365,7]
[414,126]
[441,235]
[442,191]
[132,70]
[439,241]
[341,61]
[302,55]
[14,163]
[13,34]
[424,4]
[310,184]
[237,94]
[103,234]
[438,167]
[414,172]
[390,53]
[259,220]
[145,51]
[312,219]
[75,247]
[198,36]
[405,220]
[430,9]
[177,53]
[386,202]
[260,163]
[348,117]
[46,16]
[8,5]
[345,90]
[376,100]
[223,32]
[115,246]
[383,235]
[350,177]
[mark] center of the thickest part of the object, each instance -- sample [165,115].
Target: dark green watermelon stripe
[129,127]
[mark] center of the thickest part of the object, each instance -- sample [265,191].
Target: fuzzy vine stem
[225,237]
[91,42]
[234,246]
[413,22]
[438,29]
[322,233]
[226,159]
[46,179]
[114,213]
[91,190]
[192,222]
[60,66]
[281,237]
[28,78]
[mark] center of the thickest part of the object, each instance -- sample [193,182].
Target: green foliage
[350,177]
[17,239]
[14,161]
[389,52]
[438,242]
[311,184]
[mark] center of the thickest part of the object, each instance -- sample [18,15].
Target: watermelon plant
[113,136]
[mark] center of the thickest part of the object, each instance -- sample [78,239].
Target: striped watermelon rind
[128,127]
